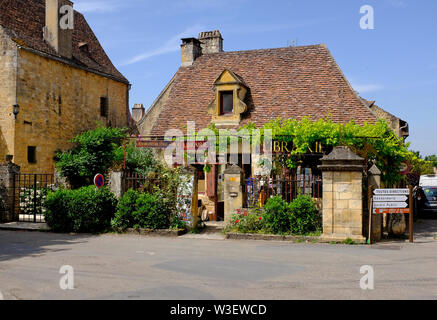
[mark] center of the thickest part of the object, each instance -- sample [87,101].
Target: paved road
[133,267]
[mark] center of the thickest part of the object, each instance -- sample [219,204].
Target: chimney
[58,31]
[211,42]
[138,112]
[190,51]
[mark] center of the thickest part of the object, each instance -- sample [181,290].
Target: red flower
[259,218]
[245,214]
[236,221]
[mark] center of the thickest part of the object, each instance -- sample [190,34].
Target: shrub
[246,222]
[126,206]
[276,216]
[304,216]
[83,210]
[144,210]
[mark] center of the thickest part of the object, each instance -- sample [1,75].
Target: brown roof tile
[290,82]
[24,20]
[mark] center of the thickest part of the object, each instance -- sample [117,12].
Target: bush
[95,152]
[83,210]
[246,222]
[276,216]
[126,206]
[304,216]
[144,210]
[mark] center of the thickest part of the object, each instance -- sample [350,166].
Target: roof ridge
[265,49]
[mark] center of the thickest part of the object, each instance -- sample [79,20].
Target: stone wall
[8,67]
[58,102]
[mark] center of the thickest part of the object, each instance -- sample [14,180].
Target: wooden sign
[154,144]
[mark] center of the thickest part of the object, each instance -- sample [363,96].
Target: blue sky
[394,64]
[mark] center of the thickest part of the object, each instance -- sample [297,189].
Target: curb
[156,233]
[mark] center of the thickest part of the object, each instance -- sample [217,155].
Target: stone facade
[57,102]
[8,76]
[233,191]
[342,195]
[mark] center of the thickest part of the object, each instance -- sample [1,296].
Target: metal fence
[29,193]
[258,190]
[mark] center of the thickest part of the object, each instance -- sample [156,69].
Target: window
[103,106]
[31,154]
[226,102]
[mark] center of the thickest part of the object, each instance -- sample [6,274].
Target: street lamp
[16,110]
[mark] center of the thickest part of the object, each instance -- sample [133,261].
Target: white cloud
[364,88]
[85,6]
[171,45]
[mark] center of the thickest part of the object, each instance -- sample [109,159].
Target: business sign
[154,144]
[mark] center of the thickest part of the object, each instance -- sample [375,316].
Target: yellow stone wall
[57,102]
[8,63]
[343,205]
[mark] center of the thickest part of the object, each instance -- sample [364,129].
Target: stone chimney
[190,51]
[211,42]
[58,31]
[138,112]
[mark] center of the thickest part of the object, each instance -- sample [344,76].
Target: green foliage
[246,222]
[147,211]
[82,210]
[300,217]
[276,216]
[126,206]
[94,152]
[304,216]
[348,241]
[432,159]
[376,142]
[140,160]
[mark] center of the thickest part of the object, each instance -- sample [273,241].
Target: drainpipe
[129,86]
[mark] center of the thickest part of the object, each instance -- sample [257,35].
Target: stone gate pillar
[233,191]
[374,181]
[7,172]
[342,195]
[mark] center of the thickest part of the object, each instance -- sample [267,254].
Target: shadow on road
[18,244]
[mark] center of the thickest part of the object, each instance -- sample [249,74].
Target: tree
[432,159]
[94,152]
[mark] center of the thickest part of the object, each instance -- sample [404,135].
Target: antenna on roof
[292,43]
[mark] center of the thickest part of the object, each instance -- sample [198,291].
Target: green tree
[95,152]
[432,159]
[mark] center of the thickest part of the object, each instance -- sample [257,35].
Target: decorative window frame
[228,81]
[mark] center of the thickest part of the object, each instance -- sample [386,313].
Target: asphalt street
[134,267]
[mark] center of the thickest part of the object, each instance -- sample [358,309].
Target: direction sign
[392,191]
[383,205]
[390,198]
[391,210]
[99,181]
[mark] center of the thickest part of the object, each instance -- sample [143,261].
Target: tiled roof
[24,21]
[290,82]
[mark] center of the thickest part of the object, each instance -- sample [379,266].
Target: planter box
[156,233]
[270,237]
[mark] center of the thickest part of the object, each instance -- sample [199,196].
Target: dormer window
[226,102]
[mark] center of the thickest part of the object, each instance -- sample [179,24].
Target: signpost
[392,201]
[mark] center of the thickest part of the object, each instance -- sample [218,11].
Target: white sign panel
[390,198]
[383,205]
[392,191]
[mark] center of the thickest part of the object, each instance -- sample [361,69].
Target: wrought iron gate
[29,193]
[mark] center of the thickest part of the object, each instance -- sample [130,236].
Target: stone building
[232,89]
[60,81]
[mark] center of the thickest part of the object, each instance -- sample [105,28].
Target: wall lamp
[16,110]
